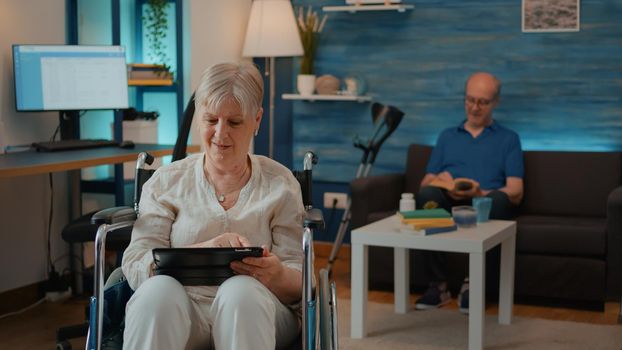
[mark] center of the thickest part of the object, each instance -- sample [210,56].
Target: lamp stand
[272,73]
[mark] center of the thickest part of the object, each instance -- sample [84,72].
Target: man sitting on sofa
[489,156]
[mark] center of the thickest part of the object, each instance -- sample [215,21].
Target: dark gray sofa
[569,229]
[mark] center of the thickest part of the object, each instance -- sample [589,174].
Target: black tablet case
[200,266]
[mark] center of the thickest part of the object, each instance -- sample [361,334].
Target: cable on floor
[22,310]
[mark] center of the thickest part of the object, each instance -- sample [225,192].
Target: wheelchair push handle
[141,175]
[309,161]
[306,180]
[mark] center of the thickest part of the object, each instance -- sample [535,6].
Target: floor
[36,328]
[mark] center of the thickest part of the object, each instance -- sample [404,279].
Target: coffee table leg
[477,297]
[358,287]
[506,283]
[401,279]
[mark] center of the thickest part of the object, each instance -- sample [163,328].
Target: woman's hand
[283,281]
[228,239]
[266,269]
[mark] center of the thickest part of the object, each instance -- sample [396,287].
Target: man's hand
[474,191]
[514,189]
[445,176]
[228,239]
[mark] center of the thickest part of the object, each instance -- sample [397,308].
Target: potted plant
[310,26]
[156,24]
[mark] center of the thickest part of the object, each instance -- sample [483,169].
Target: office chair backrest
[179,152]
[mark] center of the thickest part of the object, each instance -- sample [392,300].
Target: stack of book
[148,74]
[429,221]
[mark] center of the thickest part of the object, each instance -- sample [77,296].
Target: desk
[475,241]
[33,163]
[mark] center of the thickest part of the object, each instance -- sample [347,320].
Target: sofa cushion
[561,235]
[416,163]
[560,277]
[570,183]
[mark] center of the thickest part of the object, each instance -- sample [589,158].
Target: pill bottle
[407,202]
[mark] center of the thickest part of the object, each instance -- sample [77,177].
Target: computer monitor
[69,77]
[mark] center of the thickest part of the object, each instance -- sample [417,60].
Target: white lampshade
[272,30]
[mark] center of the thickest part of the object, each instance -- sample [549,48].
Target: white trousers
[244,315]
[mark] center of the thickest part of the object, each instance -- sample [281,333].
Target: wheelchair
[107,305]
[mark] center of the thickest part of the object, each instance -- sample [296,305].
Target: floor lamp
[272,32]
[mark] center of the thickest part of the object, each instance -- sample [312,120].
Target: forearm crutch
[386,119]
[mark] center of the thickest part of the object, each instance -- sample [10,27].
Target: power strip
[58,296]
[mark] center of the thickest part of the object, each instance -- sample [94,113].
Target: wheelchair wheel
[64,345]
[324,333]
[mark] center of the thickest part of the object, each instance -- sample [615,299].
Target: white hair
[240,82]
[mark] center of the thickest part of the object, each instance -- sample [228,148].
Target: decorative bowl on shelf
[354,86]
[327,85]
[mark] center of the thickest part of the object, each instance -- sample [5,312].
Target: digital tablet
[200,266]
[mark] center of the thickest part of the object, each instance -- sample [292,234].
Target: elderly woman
[224,197]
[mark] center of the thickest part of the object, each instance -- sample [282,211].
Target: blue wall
[561,91]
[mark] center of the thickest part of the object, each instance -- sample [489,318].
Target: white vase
[305,84]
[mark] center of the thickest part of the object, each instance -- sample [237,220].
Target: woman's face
[227,134]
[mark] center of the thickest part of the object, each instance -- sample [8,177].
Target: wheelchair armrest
[314,219]
[113,215]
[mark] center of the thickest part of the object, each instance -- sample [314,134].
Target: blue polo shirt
[489,159]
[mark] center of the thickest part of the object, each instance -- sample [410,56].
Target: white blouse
[178,207]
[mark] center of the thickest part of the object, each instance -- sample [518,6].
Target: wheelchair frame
[317,332]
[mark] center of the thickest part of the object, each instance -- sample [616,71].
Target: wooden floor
[36,328]
[341,274]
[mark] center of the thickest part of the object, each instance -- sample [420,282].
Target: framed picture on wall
[550,15]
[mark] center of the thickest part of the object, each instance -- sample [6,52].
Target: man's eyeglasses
[482,102]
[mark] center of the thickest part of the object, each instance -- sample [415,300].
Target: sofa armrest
[374,193]
[614,243]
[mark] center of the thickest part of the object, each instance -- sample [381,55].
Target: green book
[425,214]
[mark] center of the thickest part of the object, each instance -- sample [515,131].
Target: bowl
[465,216]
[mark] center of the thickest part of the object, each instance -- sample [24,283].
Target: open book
[458,184]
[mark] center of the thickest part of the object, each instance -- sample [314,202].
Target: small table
[475,241]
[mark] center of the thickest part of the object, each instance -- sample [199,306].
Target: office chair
[82,230]
[322,334]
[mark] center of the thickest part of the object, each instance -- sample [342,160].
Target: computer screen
[69,77]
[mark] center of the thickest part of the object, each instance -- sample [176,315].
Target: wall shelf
[326,97]
[356,8]
[149,82]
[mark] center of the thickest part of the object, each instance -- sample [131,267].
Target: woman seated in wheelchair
[224,197]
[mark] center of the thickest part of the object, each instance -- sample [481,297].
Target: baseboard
[590,305]
[323,249]
[17,299]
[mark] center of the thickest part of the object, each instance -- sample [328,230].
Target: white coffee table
[474,241]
